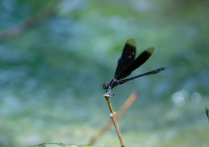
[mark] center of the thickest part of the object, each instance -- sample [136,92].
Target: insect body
[127,63]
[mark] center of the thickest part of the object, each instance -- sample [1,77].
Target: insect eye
[104,86]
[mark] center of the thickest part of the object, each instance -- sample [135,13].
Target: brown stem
[112,115]
[120,112]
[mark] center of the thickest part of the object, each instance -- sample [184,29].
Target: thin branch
[112,115]
[30,22]
[120,112]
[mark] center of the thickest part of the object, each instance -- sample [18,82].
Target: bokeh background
[55,55]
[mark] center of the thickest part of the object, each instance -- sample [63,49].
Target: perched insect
[127,63]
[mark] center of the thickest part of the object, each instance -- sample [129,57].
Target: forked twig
[120,112]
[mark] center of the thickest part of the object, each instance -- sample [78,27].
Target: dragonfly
[127,64]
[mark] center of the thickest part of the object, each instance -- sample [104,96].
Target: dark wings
[127,57]
[127,64]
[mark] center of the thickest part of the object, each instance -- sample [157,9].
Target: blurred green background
[55,55]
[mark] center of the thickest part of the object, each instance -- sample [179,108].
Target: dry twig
[112,116]
[121,111]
